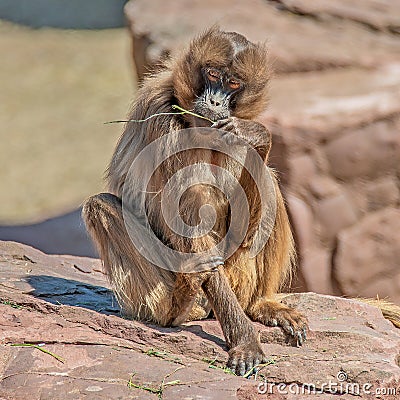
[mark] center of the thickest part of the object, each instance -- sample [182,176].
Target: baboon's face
[222,75]
[217,98]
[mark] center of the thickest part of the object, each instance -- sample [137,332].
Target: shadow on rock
[201,329]
[70,292]
[74,293]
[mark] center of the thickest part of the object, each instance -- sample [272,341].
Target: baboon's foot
[272,313]
[244,358]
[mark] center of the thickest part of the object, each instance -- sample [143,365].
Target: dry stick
[175,107]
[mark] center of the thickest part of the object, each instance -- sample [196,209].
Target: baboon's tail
[389,310]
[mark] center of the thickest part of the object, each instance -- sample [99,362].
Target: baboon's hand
[251,131]
[245,357]
[212,264]
[254,133]
[208,268]
[203,266]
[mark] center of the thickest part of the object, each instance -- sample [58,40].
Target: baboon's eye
[213,74]
[234,84]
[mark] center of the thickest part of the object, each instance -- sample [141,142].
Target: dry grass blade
[39,347]
[182,111]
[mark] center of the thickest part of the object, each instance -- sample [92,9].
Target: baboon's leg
[240,335]
[144,290]
[274,266]
[188,285]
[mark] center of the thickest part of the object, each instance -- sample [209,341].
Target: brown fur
[241,289]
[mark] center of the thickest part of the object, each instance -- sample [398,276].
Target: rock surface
[334,115]
[371,271]
[325,42]
[338,153]
[382,15]
[63,305]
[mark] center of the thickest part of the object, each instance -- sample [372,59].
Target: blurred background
[67,67]
[58,87]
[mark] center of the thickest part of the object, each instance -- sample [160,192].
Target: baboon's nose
[214,102]
[216,99]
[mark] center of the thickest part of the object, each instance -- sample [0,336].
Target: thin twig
[257,368]
[36,346]
[65,375]
[163,384]
[175,107]
[182,111]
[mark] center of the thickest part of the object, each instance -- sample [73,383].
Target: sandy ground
[57,87]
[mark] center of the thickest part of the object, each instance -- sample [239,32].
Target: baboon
[223,77]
